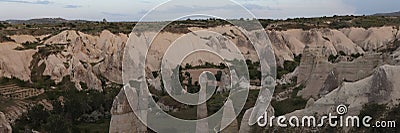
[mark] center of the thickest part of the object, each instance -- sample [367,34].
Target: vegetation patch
[290,104]
[78,111]
[29,45]
[288,67]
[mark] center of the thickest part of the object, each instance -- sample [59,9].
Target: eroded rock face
[86,58]
[372,38]
[320,76]
[123,119]
[378,88]
[14,63]
[244,125]
[89,58]
[315,71]
[23,39]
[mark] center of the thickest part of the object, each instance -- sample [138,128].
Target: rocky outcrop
[24,39]
[372,38]
[292,42]
[87,58]
[123,119]
[320,76]
[92,58]
[14,63]
[378,88]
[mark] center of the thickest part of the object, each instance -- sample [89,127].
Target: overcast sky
[133,10]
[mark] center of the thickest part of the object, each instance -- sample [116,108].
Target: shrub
[332,58]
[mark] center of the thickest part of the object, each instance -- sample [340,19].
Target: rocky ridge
[95,59]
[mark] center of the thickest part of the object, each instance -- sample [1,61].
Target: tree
[218,75]
[58,124]
[187,74]
[342,53]
[222,66]
[38,115]
[332,58]
[188,66]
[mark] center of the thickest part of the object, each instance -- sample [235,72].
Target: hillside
[388,14]
[78,65]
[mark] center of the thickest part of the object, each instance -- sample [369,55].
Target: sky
[134,10]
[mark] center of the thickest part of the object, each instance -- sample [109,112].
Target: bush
[342,53]
[356,55]
[332,58]
[218,75]
[288,67]
[4,38]
[291,104]
[80,108]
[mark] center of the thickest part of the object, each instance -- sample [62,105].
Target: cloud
[258,7]
[145,1]
[72,6]
[114,14]
[374,6]
[40,2]
[195,8]
[134,10]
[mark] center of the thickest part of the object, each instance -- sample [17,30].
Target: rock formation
[320,76]
[123,118]
[378,88]
[244,125]
[14,63]
[89,58]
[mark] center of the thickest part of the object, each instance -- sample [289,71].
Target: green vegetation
[96,27]
[288,67]
[2,26]
[29,45]
[4,38]
[379,112]
[13,80]
[335,22]
[78,111]
[355,56]
[216,102]
[205,65]
[290,104]
[253,68]
[333,58]
[4,103]
[183,25]
[218,75]
[341,53]
[282,87]
[88,27]
[38,80]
